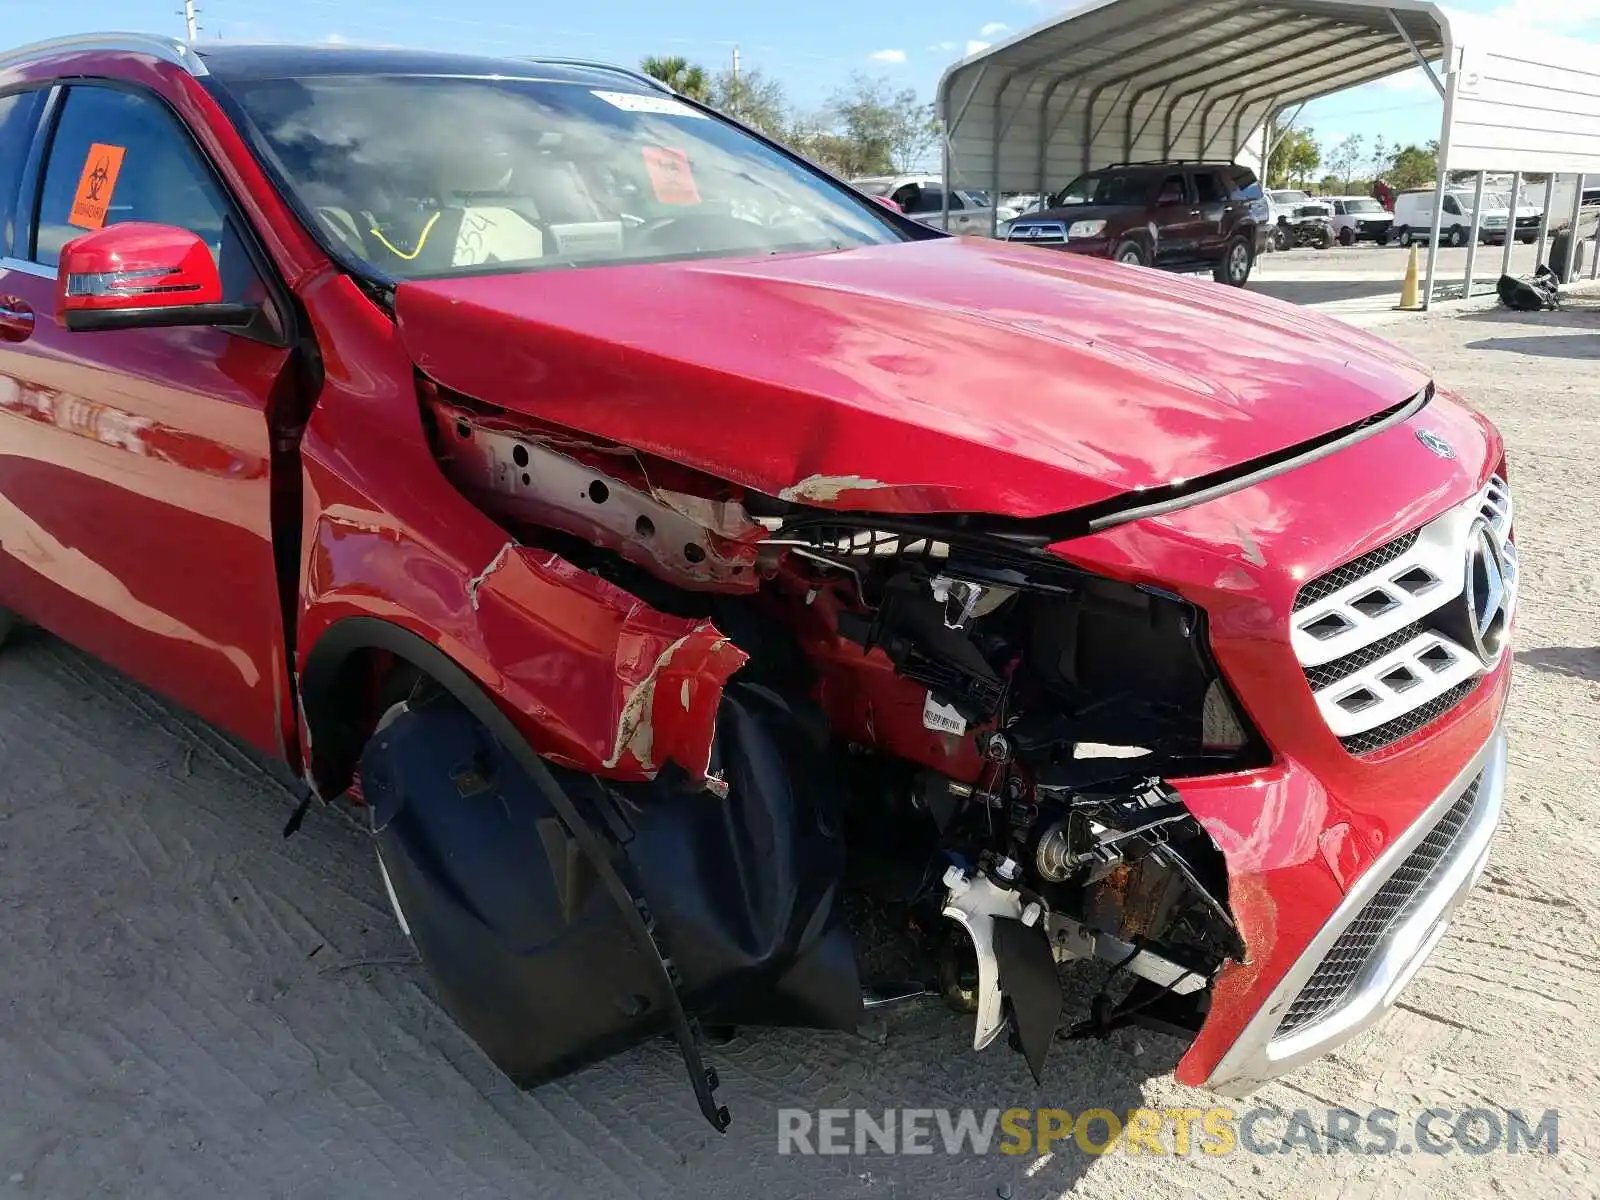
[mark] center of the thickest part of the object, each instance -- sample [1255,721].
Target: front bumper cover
[1262,1052]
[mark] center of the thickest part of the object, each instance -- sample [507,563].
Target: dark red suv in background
[1177,216]
[664,541]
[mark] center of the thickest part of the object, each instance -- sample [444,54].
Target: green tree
[1413,166]
[1295,155]
[885,130]
[755,99]
[1345,159]
[678,73]
[1305,156]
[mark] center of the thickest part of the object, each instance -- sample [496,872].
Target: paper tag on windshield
[664,106]
[941,718]
[671,178]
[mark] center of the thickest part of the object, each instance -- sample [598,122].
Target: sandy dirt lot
[194,1007]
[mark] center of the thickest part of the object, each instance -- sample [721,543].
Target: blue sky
[812,47]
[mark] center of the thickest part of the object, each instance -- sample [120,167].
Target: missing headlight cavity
[1002,727]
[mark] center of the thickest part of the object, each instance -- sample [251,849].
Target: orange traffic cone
[1410,301]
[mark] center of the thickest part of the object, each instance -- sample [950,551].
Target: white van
[1413,217]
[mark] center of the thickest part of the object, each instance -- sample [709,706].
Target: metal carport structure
[1135,80]
[1151,80]
[1146,80]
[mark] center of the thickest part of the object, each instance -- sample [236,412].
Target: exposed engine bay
[996,729]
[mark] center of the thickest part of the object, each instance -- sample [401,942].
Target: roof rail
[1171,162]
[171,50]
[596,65]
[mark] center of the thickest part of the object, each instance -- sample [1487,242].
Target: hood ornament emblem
[1435,443]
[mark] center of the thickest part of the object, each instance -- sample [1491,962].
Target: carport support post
[1544,219]
[1446,125]
[1511,224]
[1573,244]
[1473,236]
[1594,266]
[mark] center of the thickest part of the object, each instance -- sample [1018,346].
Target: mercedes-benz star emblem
[1435,443]
[1488,594]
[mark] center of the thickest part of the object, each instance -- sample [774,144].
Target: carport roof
[1135,80]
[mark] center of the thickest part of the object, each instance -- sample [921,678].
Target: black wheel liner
[318,691]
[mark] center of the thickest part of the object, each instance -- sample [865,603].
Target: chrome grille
[1382,638]
[1392,731]
[1039,233]
[1356,568]
[1341,970]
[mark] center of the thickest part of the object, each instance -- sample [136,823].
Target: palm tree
[679,74]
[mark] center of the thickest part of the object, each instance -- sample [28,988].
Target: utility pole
[190,13]
[735,97]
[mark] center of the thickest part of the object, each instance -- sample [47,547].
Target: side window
[1208,188]
[1451,207]
[1172,191]
[955,200]
[1338,208]
[929,198]
[17,115]
[1242,184]
[120,156]
[906,197]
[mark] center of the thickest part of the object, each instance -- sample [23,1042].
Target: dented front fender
[596,679]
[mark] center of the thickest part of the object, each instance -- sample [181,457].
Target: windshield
[1290,197]
[421,176]
[1105,187]
[1364,206]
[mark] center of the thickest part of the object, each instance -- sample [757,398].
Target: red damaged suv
[695,567]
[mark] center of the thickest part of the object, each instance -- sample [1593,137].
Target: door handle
[16,319]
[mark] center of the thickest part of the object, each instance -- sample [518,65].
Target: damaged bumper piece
[1384,930]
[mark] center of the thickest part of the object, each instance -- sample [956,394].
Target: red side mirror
[141,276]
[888,203]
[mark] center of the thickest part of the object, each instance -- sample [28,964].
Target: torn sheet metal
[827,489]
[526,476]
[627,688]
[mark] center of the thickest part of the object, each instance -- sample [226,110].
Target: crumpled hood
[948,375]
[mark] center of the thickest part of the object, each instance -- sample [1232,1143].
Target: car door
[1176,219]
[1212,226]
[135,465]
[928,206]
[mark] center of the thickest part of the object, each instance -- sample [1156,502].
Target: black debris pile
[1531,293]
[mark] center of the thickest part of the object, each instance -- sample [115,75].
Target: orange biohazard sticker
[92,201]
[670,176]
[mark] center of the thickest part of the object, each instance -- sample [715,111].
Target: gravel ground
[195,1007]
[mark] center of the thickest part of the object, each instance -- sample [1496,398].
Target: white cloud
[976,47]
[1548,16]
[945,47]
[888,56]
[335,39]
[993,28]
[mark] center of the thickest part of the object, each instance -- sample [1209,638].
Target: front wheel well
[356,671]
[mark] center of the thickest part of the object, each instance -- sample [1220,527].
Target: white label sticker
[639,103]
[941,718]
